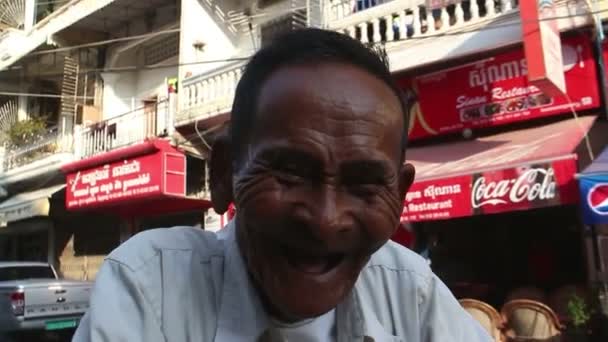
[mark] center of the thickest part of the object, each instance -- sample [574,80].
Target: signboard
[144,177]
[24,210]
[594,198]
[519,188]
[496,91]
[542,45]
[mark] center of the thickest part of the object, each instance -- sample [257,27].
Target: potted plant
[580,315]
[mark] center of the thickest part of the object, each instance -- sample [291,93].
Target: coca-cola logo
[532,184]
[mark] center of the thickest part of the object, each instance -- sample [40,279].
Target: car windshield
[26,272]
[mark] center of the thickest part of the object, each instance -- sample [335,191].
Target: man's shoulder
[401,262]
[147,245]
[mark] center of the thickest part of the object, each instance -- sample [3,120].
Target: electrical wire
[440,34]
[580,125]
[135,68]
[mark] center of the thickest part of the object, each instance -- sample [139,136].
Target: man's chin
[298,298]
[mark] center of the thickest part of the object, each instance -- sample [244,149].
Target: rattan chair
[528,320]
[486,315]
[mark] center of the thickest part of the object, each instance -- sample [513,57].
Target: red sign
[542,45]
[521,188]
[144,177]
[496,91]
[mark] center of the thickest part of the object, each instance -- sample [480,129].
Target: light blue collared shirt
[185,284]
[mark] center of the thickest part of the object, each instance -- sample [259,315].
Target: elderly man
[314,163]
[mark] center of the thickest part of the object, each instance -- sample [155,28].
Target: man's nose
[327,213]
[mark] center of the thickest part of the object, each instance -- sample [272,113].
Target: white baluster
[445,19]
[390,32]
[402,25]
[506,6]
[239,73]
[376,29]
[490,9]
[194,95]
[199,93]
[474,9]
[232,81]
[459,13]
[340,10]
[430,21]
[206,92]
[363,28]
[225,87]
[188,96]
[351,31]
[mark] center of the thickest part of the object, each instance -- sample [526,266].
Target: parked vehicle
[32,297]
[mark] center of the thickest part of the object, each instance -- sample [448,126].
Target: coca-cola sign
[496,91]
[532,184]
[517,188]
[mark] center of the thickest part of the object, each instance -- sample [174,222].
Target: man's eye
[290,173]
[365,190]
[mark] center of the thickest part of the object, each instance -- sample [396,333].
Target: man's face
[321,186]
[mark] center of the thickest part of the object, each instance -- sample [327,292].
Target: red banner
[496,91]
[144,177]
[521,188]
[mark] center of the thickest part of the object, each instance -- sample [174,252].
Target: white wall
[124,92]
[198,25]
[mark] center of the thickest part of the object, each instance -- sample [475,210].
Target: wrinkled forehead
[343,103]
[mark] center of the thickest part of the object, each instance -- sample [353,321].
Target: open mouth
[312,264]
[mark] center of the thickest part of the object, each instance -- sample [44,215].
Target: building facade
[120,101]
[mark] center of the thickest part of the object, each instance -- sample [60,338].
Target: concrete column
[22,108]
[30,15]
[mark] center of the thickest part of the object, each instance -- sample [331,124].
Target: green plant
[26,131]
[578,312]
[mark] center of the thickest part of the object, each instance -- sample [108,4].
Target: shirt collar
[241,315]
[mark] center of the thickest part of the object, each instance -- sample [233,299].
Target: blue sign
[593,183]
[594,198]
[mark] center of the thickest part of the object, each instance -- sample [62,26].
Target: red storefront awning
[518,170]
[145,179]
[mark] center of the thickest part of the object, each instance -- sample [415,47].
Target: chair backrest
[486,315]
[531,320]
[528,292]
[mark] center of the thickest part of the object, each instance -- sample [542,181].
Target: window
[162,49]
[26,272]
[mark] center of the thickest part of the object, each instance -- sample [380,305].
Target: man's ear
[220,174]
[407,174]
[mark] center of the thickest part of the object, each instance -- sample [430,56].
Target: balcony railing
[50,143]
[374,21]
[136,126]
[209,94]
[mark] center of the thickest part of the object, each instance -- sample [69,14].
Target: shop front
[499,214]
[26,228]
[495,205]
[139,187]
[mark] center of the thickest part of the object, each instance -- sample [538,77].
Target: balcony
[415,36]
[45,152]
[412,35]
[130,128]
[209,95]
[16,43]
